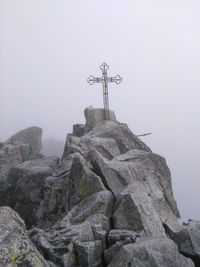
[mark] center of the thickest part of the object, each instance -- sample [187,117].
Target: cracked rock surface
[107,202]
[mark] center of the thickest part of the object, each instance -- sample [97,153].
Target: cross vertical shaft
[105,80]
[106,102]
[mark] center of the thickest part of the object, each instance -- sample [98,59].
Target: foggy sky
[48,48]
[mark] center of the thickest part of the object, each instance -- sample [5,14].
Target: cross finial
[104,80]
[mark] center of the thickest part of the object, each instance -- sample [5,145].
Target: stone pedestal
[92,116]
[96,115]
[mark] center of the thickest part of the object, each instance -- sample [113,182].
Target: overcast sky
[48,48]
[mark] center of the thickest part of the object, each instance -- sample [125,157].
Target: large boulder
[27,185]
[76,190]
[11,155]
[187,237]
[31,136]
[134,210]
[58,244]
[16,249]
[139,166]
[94,116]
[22,146]
[156,252]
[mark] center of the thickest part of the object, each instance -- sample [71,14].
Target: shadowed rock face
[23,146]
[108,202]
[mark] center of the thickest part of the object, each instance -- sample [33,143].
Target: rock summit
[108,201]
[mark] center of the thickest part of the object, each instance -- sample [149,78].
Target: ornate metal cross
[105,80]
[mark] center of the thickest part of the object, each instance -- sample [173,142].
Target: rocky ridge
[107,202]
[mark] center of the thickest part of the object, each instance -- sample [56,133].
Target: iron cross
[105,80]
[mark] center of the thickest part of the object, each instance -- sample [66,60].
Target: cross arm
[117,79]
[91,80]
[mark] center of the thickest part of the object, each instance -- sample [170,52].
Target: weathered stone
[31,136]
[117,238]
[78,130]
[73,186]
[27,182]
[146,167]
[121,234]
[156,252]
[69,259]
[11,155]
[89,254]
[16,249]
[22,146]
[83,182]
[94,116]
[134,211]
[72,145]
[57,244]
[107,194]
[107,147]
[100,226]
[120,133]
[55,201]
[100,202]
[187,237]
[112,251]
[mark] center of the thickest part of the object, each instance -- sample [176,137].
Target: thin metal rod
[143,134]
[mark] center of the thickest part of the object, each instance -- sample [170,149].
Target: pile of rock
[107,202]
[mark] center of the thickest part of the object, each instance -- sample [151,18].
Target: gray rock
[112,251]
[27,181]
[89,254]
[134,211]
[75,186]
[110,138]
[100,226]
[78,129]
[121,135]
[117,238]
[31,136]
[55,201]
[121,234]
[187,237]
[72,145]
[83,182]
[156,252]
[20,147]
[57,244]
[94,116]
[146,167]
[109,196]
[16,249]
[100,202]
[11,155]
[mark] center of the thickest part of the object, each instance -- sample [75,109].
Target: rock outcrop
[26,186]
[107,202]
[31,136]
[153,252]
[23,146]
[16,249]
